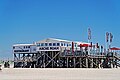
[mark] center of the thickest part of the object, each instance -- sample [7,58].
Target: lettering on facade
[21,50]
[49,48]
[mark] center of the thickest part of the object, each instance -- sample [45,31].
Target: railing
[80,53]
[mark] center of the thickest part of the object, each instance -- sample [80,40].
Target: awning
[85,45]
[114,48]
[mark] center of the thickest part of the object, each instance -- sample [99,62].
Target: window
[38,44]
[46,44]
[50,44]
[24,47]
[13,47]
[54,44]
[69,44]
[28,46]
[64,44]
[58,44]
[75,45]
[61,44]
[42,44]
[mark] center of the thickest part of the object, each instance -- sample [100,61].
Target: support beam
[86,62]
[91,63]
[67,62]
[74,59]
[80,62]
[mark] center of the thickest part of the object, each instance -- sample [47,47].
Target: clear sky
[26,21]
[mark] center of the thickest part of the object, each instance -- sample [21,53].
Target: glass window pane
[50,44]
[61,44]
[54,44]
[64,44]
[46,44]
[13,47]
[37,44]
[42,44]
[69,44]
[58,44]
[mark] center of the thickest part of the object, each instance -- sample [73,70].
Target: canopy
[114,48]
[85,45]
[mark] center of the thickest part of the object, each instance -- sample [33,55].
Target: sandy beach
[59,74]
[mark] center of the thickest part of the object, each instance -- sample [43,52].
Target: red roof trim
[114,48]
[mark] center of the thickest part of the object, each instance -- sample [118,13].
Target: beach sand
[59,74]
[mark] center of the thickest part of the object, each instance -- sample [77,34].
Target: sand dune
[59,74]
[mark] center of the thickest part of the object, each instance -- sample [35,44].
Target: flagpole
[111,37]
[106,41]
[107,46]
[109,42]
[88,47]
[89,37]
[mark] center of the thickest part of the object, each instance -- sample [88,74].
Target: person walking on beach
[0,67]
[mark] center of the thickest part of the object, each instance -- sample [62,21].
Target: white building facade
[24,48]
[45,53]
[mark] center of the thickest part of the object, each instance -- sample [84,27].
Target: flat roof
[23,44]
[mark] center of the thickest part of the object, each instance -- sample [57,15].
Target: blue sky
[26,21]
